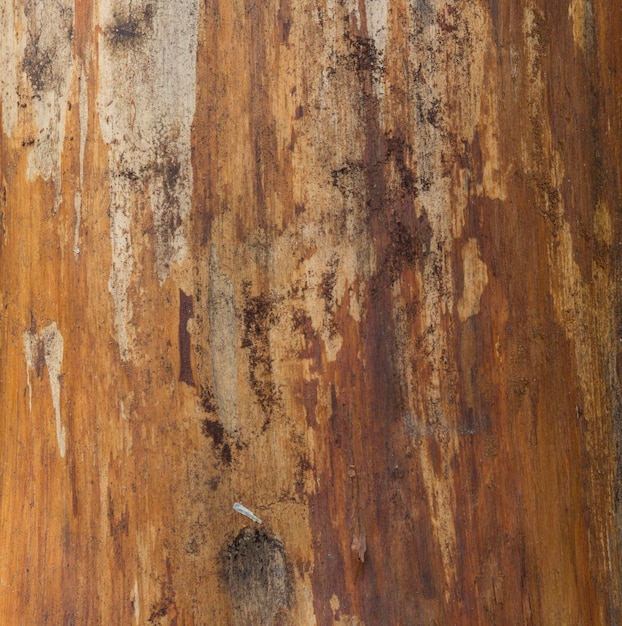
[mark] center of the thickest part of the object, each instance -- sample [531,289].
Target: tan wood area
[355,265]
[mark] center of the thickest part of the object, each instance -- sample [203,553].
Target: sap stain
[37,65]
[447,18]
[349,178]
[213,430]
[258,577]
[327,292]
[166,606]
[50,32]
[207,400]
[129,29]
[259,315]
[400,153]
[38,355]
[364,57]
[434,113]
[329,282]
[225,454]
[405,248]
[129,174]
[168,185]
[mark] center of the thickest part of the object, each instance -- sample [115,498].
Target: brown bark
[355,265]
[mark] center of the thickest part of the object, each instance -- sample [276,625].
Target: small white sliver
[240,508]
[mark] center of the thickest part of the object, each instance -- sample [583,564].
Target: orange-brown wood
[354,265]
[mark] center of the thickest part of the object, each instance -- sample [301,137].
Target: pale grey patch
[47,62]
[11,53]
[223,343]
[146,102]
[122,262]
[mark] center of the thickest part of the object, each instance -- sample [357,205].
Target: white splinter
[240,508]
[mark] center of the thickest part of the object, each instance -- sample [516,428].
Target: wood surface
[355,265]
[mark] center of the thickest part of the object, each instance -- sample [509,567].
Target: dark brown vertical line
[186,313]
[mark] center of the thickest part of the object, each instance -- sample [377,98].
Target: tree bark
[354,265]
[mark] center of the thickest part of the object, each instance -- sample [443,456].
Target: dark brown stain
[302,323]
[213,430]
[167,175]
[303,467]
[364,57]
[284,16]
[473,159]
[259,577]
[225,454]
[347,178]
[367,404]
[39,355]
[328,282]
[166,606]
[119,529]
[186,312]
[399,151]
[130,28]
[37,65]
[258,317]
[40,57]
[129,174]
[446,19]
[268,170]
[309,399]
[538,38]
[494,14]
[405,248]
[207,399]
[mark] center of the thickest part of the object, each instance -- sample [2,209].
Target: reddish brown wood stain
[388,323]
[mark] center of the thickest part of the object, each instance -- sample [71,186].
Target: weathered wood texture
[354,264]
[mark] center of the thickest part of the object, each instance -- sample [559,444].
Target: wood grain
[355,265]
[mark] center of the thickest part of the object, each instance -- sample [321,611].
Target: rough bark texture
[353,264]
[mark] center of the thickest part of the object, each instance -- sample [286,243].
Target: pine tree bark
[354,265]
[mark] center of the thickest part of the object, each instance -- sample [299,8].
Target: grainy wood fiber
[355,265]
